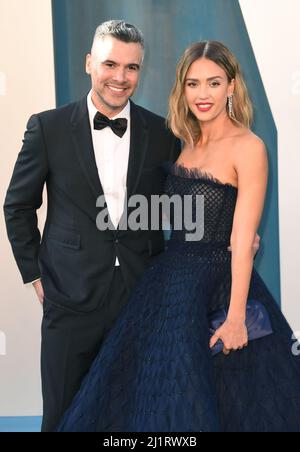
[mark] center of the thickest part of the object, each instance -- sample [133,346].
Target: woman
[159,368]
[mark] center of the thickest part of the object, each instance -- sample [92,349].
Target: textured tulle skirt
[155,371]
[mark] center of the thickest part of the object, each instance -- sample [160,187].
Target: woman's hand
[233,334]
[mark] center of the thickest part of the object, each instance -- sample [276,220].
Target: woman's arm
[251,165]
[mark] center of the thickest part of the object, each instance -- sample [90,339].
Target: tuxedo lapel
[138,147]
[83,145]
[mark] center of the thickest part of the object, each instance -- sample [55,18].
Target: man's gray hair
[121,30]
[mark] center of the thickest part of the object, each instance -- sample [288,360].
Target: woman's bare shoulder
[247,143]
[249,153]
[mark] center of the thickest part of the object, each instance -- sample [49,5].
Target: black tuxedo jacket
[74,259]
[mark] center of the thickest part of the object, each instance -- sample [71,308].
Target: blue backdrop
[169,27]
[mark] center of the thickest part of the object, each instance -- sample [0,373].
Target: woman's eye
[191,84]
[214,84]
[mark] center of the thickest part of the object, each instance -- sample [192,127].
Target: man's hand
[39,290]
[255,246]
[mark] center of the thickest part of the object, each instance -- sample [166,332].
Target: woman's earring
[230,107]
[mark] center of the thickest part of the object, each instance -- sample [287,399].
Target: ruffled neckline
[177,169]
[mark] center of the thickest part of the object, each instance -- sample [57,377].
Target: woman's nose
[203,92]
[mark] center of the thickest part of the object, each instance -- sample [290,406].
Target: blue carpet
[20,424]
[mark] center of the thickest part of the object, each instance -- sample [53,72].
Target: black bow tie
[118,126]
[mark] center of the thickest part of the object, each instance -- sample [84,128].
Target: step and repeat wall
[42,65]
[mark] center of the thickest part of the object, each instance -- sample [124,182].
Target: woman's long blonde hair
[180,119]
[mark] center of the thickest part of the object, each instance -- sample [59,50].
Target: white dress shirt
[112,155]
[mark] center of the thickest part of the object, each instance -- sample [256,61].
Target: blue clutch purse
[257,322]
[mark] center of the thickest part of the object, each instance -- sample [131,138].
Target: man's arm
[24,196]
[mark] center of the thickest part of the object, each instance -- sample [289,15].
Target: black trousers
[70,342]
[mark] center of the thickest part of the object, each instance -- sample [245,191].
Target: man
[85,274]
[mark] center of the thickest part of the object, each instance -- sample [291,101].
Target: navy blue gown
[155,372]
